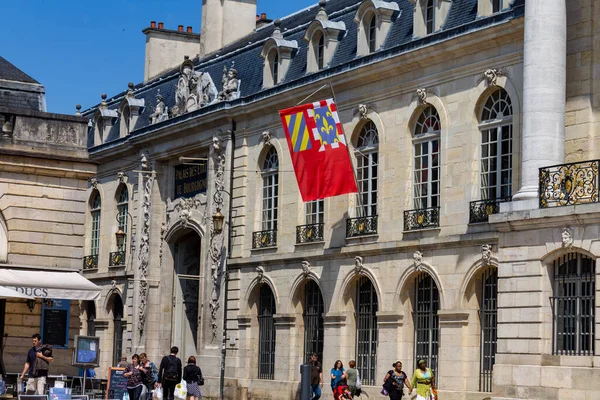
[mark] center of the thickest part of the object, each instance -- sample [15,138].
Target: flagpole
[312,94]
[359,197]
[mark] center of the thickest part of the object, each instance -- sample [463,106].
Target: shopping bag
[157,394]
[434,394]
[358,384]
[144,392]
[181,390]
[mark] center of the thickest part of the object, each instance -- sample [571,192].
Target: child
[342,391]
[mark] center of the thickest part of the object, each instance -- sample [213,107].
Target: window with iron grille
[496,146]
[426,143]
[488,317]
[95,208]
[123,212]
[313,320]
[315,212]
[430,16]
[366,331]
[427,323]
[573,305]
[373,34]
[117,329]
[367,158]
[266,334]
[270,194]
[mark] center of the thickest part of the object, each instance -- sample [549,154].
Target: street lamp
[218,220]
[31,304]
[120,236]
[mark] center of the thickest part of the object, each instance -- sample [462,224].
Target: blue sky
[81,49]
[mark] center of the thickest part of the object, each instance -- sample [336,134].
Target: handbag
[384,392]
[358,384]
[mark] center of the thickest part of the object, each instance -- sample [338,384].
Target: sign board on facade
[55,322]
[117,384]
[87,351]
[190,180]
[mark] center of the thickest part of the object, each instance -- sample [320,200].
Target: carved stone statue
[567,237]
[358,265]
[422,95]
[260,273]
[160,112]
[194,89]
[231,85]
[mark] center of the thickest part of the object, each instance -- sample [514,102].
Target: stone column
[544,92]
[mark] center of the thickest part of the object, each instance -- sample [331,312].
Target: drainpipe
[226,272]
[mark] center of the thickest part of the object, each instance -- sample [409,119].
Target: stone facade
[458,75]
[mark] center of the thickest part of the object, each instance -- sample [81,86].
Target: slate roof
[245,53]
[11,73]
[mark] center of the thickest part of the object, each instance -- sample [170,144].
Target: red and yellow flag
[319,150]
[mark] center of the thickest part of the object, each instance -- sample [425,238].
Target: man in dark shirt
[316,377]
[169,373]
[36,382]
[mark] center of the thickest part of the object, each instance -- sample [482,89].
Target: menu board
[87,351]
[55,322]
[117,384]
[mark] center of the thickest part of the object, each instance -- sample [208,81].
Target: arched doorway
[367,306]
[266,333]
[313,320]
[426,320]
[186,293]
[116,309]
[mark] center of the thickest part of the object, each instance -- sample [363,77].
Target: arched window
[91,318]
[117,311]
[488,318]
[496,6]
[266,334]
[319,46]
[270,194]
[366,330]
[372,35]
[496,146]
[574,305]
[275,66]
[95,209]
[313,320]
[427,323]
[367,158]
[426,175]
[3,240]
[430,17]
[123,212]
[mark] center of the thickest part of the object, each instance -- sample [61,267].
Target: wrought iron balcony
[480,210]
[117,259]
[361,226]
[90,262]
[309,233]
[569,184]
[264,239]
[421,218]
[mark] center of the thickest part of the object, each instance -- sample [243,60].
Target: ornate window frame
[427,138]
[441,9]
[270,184]
[277,53]
[104,119]
[383,12]
[367,169]
[330,33]
[129,111]
[95,204]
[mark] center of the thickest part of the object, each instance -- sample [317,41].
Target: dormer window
[277,53]
[374,20]
[496,6]
[429,17]
[130,109]
[322,36]
[485,8]
[104,119]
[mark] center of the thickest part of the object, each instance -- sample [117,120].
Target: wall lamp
[31,304]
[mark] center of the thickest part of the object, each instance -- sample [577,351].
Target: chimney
[166,48]
[225,22]
[262,20]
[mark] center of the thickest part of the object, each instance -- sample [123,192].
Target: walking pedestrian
[423,380]
[123,363]
[352,377]
[169,373]
[192,375]
[337,373]
[316,377]
[36,365]
[394,381]
[133,372]
[149,374]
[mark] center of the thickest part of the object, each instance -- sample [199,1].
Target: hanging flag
[319,150]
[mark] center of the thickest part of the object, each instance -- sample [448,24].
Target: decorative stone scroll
[359,268]
[363,110]
[217,238]
[486,255]
[422,95]
[144,252]
[491,75]
[260,274]
[184,209]
[94,183]
[121,177]
[418,260]
[306,269]
[266,137]
[567,237]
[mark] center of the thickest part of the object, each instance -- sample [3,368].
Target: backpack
[171,374]
[42,365]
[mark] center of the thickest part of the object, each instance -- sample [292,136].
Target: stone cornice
[556,217]
[389,319]
[335,319]
[454,317]
[284,320]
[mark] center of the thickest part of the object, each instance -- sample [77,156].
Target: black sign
[190,180]
[117,384]
[55,322]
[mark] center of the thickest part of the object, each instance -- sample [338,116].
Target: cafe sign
[190,180]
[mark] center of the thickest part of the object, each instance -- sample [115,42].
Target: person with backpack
[169,373]
[36,365]
[192,375]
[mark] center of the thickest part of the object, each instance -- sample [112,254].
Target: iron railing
[569,184]
[117,259]
[361,226]
[421,218]
[309,233]
[313,320]
[90,262]
[488,321]
[266,334]
[264,239]
[480,210]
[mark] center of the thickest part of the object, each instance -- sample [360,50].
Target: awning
[7,293]
[49,284]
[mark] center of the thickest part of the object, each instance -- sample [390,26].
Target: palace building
[472,242]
